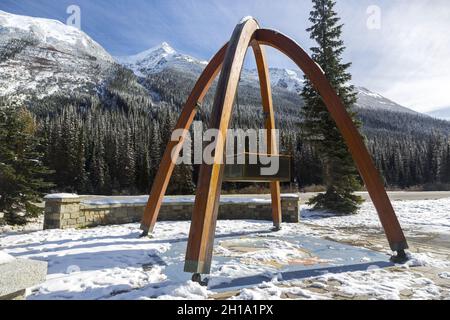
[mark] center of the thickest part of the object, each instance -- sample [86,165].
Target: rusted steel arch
[350,133]
[187,116]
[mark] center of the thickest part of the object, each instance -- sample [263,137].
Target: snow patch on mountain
[279,78]
[52,32]
[40,57]
[370,100]
[161,57]
[288,79]
[443,114]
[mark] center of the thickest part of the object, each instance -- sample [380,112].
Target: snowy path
[107,262]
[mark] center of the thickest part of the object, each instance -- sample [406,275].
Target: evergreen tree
[181,182]
[155,147]
[143,172]
[67,150]
[98,169]
[21,170]
[445,172]
[340,175]
[80,175]
[118,119]
[127,163]
[434,159]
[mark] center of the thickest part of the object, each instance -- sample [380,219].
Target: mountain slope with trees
[22,173]
[110,138]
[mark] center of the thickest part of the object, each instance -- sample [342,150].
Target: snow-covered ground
[5,258]
[109,262]
[419,215]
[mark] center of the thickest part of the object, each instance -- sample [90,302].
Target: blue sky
[407,59]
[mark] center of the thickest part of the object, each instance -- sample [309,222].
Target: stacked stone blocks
[66,212]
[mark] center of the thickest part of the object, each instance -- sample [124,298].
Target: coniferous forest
[112,142]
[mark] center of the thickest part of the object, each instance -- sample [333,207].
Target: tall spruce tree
[446,166]
[21,170]
[340,176]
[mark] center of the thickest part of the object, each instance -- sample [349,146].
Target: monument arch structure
[229,62]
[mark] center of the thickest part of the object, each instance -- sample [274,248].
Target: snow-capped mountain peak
[52,33]
[164,57]
[159,58]
[162,51]
[371,100]
[287,79]
[166,47]
[279,78]
[40,57]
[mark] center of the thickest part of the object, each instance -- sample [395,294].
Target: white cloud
[408,59]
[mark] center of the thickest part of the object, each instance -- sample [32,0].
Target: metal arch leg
[144,234]
[350,133]
[276,228]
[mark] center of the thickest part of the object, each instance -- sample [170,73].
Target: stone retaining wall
[71,211]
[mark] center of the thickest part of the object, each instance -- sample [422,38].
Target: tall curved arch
[352,137]
[185,120]
[231,58]
[203,225]
[269,119]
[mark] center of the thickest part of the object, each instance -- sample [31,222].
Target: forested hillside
[112,143]
[104,127]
